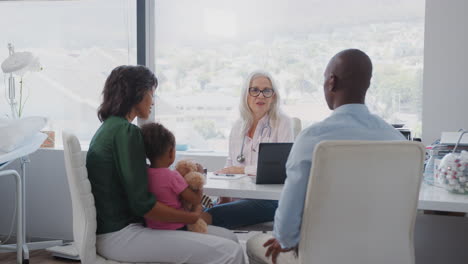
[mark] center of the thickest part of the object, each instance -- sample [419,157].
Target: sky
[73,24]
[243,20]
[67,24]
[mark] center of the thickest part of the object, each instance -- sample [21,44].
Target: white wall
[48,203]
[445,93]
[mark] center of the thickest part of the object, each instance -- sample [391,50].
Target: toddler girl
[168,186]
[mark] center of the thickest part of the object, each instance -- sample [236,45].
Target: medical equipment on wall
[241,158]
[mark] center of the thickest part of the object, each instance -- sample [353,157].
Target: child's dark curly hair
[158,140]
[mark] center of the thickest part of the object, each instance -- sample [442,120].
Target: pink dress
[166,185]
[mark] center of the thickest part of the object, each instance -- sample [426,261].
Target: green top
[116,164]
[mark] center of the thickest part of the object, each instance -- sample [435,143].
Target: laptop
[271,166]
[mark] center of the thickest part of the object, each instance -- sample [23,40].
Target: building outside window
[204,50]
[78,44]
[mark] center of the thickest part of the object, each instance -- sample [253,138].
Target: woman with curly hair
[116,165]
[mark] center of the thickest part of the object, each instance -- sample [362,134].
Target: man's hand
[274,249]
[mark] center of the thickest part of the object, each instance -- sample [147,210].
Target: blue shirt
[347,122]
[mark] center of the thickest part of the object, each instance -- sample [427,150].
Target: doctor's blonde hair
[246,114]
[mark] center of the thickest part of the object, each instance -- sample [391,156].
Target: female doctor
[260,121]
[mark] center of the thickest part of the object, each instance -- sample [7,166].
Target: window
[204,49]
[78,44]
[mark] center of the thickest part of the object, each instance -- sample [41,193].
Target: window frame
[146,42]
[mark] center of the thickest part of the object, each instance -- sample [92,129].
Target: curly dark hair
[158,140]
[124,88]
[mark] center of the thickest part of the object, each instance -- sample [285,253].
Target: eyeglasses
[267,92]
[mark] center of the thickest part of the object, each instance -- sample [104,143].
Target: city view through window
[204,50]
[78,43]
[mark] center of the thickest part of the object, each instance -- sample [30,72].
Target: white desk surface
[430,197]
[27,148]
[244,187]
[439,199]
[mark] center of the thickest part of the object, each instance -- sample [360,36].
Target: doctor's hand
[232,170]
[274,249]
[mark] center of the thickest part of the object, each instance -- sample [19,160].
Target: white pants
[136,243]
[256,252]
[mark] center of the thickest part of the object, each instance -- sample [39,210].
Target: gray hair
[246,114]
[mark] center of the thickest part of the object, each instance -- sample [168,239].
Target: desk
[244,187]
[430,197]
[6,158]
[439,199]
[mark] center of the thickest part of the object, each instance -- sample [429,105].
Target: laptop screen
[271,167]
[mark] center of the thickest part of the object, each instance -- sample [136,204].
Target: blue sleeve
[288,216]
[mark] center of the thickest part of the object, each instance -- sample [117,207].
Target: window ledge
[197,153]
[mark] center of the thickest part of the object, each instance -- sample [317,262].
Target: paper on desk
[225,176]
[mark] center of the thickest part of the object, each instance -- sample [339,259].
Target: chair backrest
[84,210]
[361,203]
[297,126]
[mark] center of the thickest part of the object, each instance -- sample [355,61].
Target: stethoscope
[241,158]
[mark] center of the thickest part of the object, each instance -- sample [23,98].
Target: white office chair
[84,210]
[361,202]
[297,126]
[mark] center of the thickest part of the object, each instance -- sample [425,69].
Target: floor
[42,256]
[36,257]
[439,239]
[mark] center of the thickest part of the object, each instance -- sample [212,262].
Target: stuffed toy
[193,175]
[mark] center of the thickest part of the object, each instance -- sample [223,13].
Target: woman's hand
[232,170]
[198,209]
[164,213]
[191,196]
